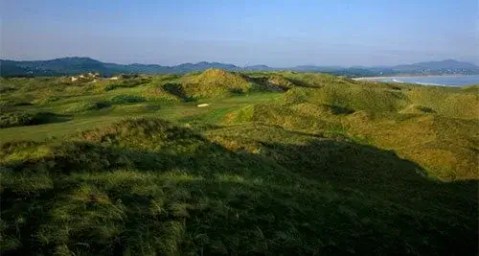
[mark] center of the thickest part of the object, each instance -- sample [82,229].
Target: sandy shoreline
[429,80]
[400,76]
[372,77]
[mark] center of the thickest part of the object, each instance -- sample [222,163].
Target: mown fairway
[277,163]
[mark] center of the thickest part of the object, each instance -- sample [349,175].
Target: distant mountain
[259,68]
[422,68]
[77,65]
[313,68]
[190,67]
[62,66]
[434,66]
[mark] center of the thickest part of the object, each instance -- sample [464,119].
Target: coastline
[428,80]
[402,75]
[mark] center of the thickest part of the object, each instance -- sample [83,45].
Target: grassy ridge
[435,127]
[302,164]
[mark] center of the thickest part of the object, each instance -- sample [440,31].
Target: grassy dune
[278,163]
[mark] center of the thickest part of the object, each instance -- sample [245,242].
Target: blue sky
[276,33]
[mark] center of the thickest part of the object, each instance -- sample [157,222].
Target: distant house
[93,74]
[86,77]
[114,78]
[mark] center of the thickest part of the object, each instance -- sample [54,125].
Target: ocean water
[431,80]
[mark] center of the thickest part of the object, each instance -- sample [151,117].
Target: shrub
[21,118]
[15,119]
[125,99]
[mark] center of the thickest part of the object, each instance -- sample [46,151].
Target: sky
[249,32]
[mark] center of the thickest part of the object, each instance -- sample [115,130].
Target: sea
[452,80]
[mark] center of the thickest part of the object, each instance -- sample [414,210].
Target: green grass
[92,117]
[321,166]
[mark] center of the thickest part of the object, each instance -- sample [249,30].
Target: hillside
[436,66]
[214,82]
[78,65]
[277,163]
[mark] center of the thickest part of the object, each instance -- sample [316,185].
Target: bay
[453,80]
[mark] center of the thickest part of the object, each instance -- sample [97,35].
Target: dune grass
[294,164]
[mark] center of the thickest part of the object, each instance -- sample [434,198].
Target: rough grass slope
[147,186]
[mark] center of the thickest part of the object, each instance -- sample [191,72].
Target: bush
[100,105]
[15,119]
[125,99]
[21,118]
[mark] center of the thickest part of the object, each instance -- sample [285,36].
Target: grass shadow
[177,90]
[154,187]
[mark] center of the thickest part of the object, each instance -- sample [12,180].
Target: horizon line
[236,65]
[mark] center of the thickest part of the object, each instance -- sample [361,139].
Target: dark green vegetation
[77,65]
[11,119]
[276,164]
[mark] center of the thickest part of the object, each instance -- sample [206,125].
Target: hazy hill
[76,65]
[258,68]
[443,65]
[426,68]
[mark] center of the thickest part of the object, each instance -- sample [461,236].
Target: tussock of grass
[416,109]
[86,106]
[126,82]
